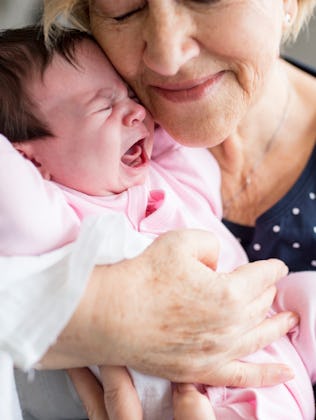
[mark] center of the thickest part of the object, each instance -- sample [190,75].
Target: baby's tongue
[132,154]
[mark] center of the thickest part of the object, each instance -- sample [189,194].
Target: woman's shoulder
[307,68]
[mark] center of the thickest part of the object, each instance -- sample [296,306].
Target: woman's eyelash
[205,1]
[129,14]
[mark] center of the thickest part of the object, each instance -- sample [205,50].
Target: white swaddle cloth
[42,292]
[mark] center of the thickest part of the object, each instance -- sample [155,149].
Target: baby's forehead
[89,74]
[87,54]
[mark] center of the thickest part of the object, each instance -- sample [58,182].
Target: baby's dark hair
[24,55]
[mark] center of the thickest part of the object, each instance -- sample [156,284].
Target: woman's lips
[189,91]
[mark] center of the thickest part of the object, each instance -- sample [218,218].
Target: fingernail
[293,320]
[286,374]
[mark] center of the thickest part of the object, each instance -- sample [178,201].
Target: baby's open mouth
[135,155]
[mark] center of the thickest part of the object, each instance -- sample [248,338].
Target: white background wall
[19,12]
[14,13]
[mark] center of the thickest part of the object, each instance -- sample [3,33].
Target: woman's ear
[28,150]
[290,9]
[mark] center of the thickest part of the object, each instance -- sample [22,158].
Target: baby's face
[103,137]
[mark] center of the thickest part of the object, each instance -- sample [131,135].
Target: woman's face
[197,65]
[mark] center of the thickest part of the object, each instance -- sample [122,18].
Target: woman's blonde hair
[76,14]
[305,12]
[59,14]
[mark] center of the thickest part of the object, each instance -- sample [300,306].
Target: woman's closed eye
[142,6]
[130,13]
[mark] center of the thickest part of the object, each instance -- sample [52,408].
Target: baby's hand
[120,396]
[90,392]
[116,400]
[189,403]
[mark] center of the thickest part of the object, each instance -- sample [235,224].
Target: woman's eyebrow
[92,3]
[95,6]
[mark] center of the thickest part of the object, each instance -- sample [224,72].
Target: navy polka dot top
[288,229]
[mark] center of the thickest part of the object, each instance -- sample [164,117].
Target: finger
[270,330]
[189,403]
[90,392]
[256,311]
[253,278]
[120,395]
[200,244]
[207,250]
[242,374]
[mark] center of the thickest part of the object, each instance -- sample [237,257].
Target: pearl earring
[287,18]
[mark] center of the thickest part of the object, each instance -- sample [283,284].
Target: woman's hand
[167,313]
[188,323]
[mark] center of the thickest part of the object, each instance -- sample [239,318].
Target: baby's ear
[22,148]
[27,150]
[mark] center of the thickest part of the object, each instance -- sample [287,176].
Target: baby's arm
[34,216]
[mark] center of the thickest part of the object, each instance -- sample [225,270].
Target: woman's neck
[272,130]
[264,121]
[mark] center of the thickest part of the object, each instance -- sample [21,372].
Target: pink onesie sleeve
[294,399]
[34,216]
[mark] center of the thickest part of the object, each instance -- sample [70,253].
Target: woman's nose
[136,113]
[169,41]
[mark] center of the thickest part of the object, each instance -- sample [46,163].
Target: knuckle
[257,343]
[238,378]
[111,396]
[230,295]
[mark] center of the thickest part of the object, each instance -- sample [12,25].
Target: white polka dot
[276,228]
[296,245]
[314,229]
[313,263]
[239,239]
[312,195]
[296,211]
[257,247]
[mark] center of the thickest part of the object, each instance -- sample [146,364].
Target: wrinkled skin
[206,347]
[173,45]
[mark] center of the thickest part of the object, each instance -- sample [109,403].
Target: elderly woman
[211,74]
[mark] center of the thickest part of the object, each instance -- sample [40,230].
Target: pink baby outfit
[182,190]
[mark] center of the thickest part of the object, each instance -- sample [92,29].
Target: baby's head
[68,111]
